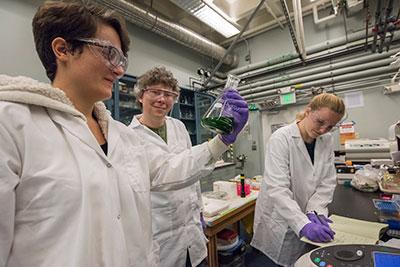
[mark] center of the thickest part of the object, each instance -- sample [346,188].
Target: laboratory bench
[232,216]
[350,202]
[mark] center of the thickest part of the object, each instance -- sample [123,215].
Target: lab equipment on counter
[351,256]
[344,173]
[389,211]
[225,186]
[367,149]
[219,117]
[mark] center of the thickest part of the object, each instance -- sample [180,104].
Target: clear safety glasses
[112,56]
[157,93]
[321,124]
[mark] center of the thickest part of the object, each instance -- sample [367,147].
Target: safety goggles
[157,93]
[112,56]
[321,124]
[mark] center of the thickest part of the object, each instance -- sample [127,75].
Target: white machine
[351,256]
[367,149]
[394,139]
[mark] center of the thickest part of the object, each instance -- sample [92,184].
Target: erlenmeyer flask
[219,117]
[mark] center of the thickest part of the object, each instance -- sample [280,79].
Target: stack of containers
[230,249]
[389,211]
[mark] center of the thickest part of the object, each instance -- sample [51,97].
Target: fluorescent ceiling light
[212,16]
[216,21]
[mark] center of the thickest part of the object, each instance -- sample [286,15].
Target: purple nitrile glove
[317,232]
[321,220]
[236,107]
[203,223]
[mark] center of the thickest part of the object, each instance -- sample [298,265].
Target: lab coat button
[108,165]
[119,216]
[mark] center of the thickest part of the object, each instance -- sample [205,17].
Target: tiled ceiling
[238,10]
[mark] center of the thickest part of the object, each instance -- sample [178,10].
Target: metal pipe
[269,9]
[311,50]
[347,86]
[331,80]
[307,10]
[296,62]
[152,22]
[331,67]
[234,42]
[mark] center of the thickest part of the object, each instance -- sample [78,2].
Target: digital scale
[351,256]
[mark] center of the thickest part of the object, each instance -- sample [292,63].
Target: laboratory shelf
[189,108]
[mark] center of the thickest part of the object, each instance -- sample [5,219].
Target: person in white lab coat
[299,179]
[176,214]
[74,183]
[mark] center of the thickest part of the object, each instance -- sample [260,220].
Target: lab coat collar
[135,123]
[295,132]
[25,90]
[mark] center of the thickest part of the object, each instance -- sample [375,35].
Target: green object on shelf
[221,125]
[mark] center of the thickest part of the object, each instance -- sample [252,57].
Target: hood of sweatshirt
[25,90]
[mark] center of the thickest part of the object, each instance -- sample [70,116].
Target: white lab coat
[63,202]
[176,214]
[291,187]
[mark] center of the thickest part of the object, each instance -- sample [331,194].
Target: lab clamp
[241,159]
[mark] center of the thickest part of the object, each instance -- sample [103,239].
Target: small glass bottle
[219,117]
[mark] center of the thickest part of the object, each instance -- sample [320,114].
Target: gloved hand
[203,223]
[237,108]
[317,232]
[321,220]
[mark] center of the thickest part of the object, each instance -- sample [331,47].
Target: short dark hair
[71,20]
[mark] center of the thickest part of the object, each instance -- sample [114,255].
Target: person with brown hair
[176,214]
[299,181]
[75,183]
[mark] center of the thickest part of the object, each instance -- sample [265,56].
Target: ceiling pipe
[299,83]
[307,10]
[321,69]
[311,50]
[152,22]
[330,80]
[356,85]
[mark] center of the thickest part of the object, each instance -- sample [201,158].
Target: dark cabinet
[123,104]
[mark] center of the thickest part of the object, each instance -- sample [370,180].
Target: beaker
[219,117]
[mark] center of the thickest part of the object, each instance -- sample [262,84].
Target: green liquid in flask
[221,125]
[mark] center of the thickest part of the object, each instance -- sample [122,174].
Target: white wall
[18,55]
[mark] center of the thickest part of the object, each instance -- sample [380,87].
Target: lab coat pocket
[162,224]
[136,169]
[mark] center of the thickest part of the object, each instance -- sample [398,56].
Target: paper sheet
[351,231]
